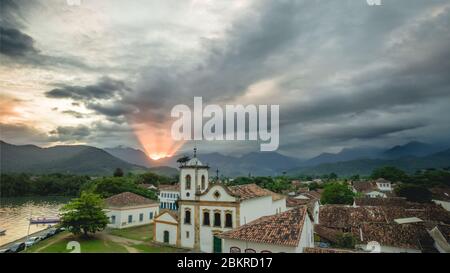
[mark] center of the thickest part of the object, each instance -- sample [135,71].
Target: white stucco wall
[391,249]
[207,232]
[168,198]
[187,229]
[252,209]
[306,240]
[159,233]
[258,247]
[123,213]
[186,194]
[165,222]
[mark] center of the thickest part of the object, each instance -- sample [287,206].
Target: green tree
[333,176]
[346,240]
[153,178]
[118,172]
[108,186]
[337,193]
[390,173]
[84,215]
[414,193]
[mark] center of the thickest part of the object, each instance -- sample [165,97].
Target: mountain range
[81,159]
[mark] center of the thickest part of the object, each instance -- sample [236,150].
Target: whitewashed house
[208,209]
[168,196]
[288,232]
[165,229]
[128,209]
[380,188]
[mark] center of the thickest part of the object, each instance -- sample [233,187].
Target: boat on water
[2,231]
[44,220]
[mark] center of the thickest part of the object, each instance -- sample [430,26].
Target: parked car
[60,229]
[17,247]
[5,250]
[49,234]
[32,240]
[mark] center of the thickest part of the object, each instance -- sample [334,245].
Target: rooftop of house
[338,216]
[128,199]
[364,186]
[442,194]
[279,229]
[411,236]
[174,187]
[329,234]
[249,191]
[325,250]
[390,201]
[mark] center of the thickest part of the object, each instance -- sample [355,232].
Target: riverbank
[23,239]
[15,214]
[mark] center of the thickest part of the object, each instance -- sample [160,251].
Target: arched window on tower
[187,216]
[203,182]
[188,182]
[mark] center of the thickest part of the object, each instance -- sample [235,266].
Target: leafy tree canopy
[390,173]
[337,193]
[84,215]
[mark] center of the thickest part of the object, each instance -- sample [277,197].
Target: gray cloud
[70,133]
[106,88]
[362,74]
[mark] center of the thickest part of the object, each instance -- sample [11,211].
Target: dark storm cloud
[22,134]
[70,133]
[106,88]
[18,47]
[335,62]
[111,109]
[15,43]
[228,69]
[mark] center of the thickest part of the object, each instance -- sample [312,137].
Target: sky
[108,72]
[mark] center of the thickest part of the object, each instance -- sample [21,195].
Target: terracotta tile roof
[325,250]
[280,229]
[364,186]
[128,199]
[329,234]
[442,194]
[314,194]
[174,187]
[249,191]
[392,234]
[337,216]
[391,201]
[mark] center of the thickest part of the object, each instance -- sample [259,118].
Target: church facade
[208,209]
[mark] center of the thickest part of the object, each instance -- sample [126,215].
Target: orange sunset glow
[157,142]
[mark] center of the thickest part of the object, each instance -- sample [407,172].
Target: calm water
[15,212]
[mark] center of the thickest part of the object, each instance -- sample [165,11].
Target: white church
[208,209]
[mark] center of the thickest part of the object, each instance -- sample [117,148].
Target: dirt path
[125,242]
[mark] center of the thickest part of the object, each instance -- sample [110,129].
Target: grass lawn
[58,244]
[141,233]
[149,248]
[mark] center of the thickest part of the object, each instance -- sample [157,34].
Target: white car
[32,240]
